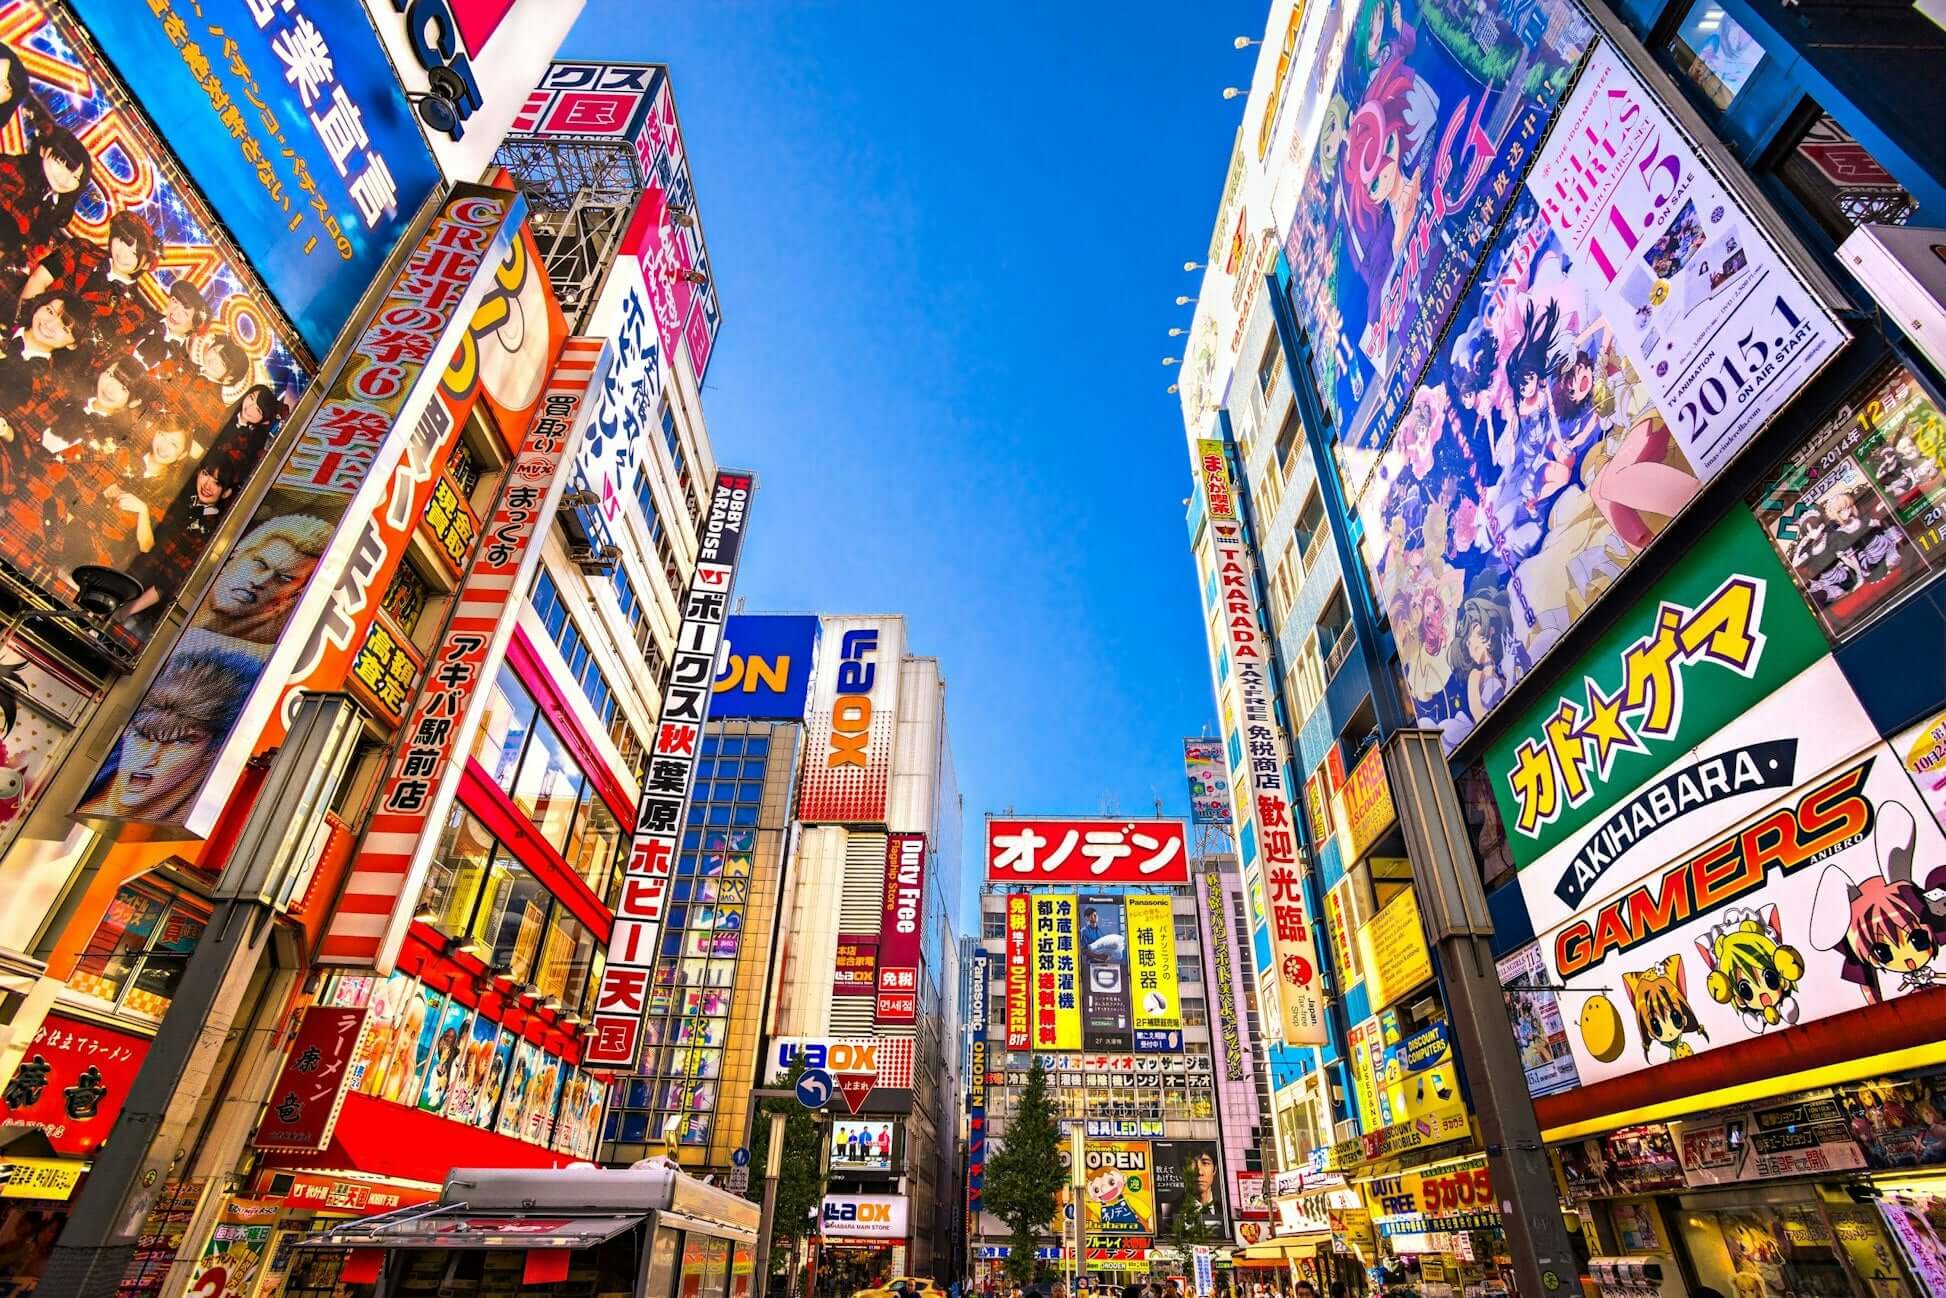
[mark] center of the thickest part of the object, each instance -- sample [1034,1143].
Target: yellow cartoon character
[1751,969]
[1662,1008]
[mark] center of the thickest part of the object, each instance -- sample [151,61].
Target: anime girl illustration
[1382,168]
[1751,969]
[1886,925]
[1661,999]
[1479,648]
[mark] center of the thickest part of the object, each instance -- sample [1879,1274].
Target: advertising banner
[300,586]
[1188,1186]
[1273,876]
[389,870]
[1436,109]
[1540,1033]
[1209,781]
[854,710]
[1364,807]
[1858,512]
[1057,986]
[857,971]
[1807,1138]
[976,1080]
[291,122]
[865,1216]
[1119,1190]
[1392,951]
[302,1109]
[900,929]
[149,375]
[1756,928]
[616,1030]
[1019,979]
[607,463]
[666,233]
[1922,749]
[862,1144]
[1152,967]
[1709,642]
[71,1083]
[1094,851]
[1223,962]
[595,101]
[1104,967]
[766,668]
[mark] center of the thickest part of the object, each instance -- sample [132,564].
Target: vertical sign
[848,735]
[976,1084]
[899,929]
[1222,962]
[383,887]
[304,1103]
[1057,1000]
[1104,969]
[1259,796]
[1152,960]
[623,997]
[1018,982]
[1209,781]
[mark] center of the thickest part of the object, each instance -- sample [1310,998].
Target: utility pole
[1452,903]
[269,867]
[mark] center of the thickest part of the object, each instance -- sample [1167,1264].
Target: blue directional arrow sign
[740,1156]
[814,1088]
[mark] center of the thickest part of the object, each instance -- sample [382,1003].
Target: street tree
[801,1183]
[1026,1174]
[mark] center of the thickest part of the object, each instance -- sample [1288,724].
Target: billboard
[1019,974]
[862,1144]
[854,711]
[888,1059]
[492,50]
[1152,970]
[1719,634]
[1922,749]
[1392,952]
[1815,905]
[389,870]
[1540,1033]
[1119,1187]
[978,1008]
[1567,415]
[765,672]
[1223,970]
[1188,1186]
[1209,781]
[625,403]
[1273,873]
[880,1217]
[1104,974]
[1093,851]
[1437,106]
[616,1029]
[1858,511]
[291,123]
[297,591]
[900,929]
[857,970]
[1056,973]
[148,377]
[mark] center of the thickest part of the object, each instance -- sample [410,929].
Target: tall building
[1581,502]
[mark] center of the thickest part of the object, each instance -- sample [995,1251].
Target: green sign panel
[1721,631]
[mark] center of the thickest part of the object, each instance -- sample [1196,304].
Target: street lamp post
[773,1168]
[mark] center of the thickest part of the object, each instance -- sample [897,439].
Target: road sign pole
[773,1168]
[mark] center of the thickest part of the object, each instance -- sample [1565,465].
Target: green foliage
[1025,1174]
[1188,1230]
[801,1184]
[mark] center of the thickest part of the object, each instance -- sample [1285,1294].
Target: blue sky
[948,243]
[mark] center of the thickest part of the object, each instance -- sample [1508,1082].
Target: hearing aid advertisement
[1825,901]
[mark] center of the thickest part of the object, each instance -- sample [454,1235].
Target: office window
[136,958]
[405,599]
[665,551]
[1290,440]
[1310,526]
[1334,630]
[464,466]
[1270,367]
[575,651]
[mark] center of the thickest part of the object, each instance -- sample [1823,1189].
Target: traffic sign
[855,1087]
[814,1088]
[740,1156]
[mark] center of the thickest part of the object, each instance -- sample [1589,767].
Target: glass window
[705,1267]
[405,599]
[596,838]
[1840,183]
[565,956]
[510,711]
[459,868]
[518,919]
[1713,50]
[548,786]
[138,953]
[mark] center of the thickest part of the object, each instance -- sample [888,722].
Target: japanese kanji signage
[901,928]
[1019,978]
[1263,806]
[71,1082]
[976,1079]
[383,888]
[288,117]
[854,709]
[1223,965]
[1057,973]
[623,997]
[1152,973]
[1099,850]
[304,1103]
[857,970]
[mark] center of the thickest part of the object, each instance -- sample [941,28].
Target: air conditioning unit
[1345,1130]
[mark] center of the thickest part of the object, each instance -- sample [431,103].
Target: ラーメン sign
[1263,807]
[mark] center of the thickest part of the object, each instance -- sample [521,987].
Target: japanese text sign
[71,1082]
[310,1089]
[856,973]
[1223,964]
[1154,988]
[1057,974]
[622,998]
[1099,850]
[1019,979]
[289,119]
[901,929]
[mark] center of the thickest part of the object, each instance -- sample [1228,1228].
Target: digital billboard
[1104,974]
[862,1144]
[291,123]
[1119,1187]
[353,485]
[854,711]
[766,668]
[1209,781]
[1086,850]
[147,378]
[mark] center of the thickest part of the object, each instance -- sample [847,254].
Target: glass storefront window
[548,785]
[566,955]
[594,841]
[510,711]
[459,868]
[1713,50]
[516,921]
[137,956]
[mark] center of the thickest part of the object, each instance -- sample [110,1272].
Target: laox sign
[851,715]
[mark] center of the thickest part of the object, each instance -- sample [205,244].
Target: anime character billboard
[1437,105]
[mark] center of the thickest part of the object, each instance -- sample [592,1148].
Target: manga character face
[1105,1186]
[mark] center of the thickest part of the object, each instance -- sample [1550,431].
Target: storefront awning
[396,1141]
[1284,1246]
[455,1227]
